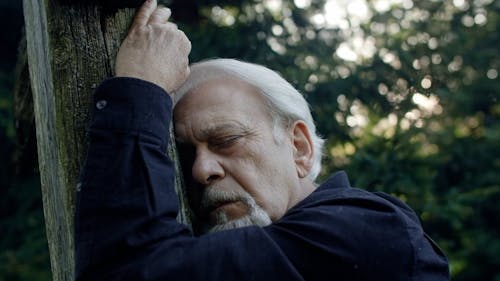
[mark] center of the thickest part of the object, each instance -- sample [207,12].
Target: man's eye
[225,142]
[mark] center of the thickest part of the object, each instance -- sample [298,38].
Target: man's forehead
[213,84]
[219,106]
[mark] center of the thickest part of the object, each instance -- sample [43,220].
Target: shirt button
[101,104]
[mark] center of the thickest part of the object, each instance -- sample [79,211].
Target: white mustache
[213,196]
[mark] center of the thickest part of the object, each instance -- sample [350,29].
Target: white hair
[285,103]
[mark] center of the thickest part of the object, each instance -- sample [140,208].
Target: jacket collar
[337,180]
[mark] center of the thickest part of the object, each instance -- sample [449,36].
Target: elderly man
[250,154]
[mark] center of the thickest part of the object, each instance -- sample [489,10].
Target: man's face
[240,174]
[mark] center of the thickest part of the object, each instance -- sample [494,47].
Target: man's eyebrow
[220,129]
[223,128]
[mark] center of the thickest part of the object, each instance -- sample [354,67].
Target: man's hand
[154,49]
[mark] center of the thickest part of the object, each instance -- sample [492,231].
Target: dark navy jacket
[126,210]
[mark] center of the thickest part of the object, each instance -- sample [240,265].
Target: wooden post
[71,49]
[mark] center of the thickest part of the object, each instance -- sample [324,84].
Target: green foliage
[6,128]
[23,244]
[6,124]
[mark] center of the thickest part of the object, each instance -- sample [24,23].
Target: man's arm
[127,177]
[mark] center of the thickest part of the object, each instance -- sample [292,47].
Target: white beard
[256,216]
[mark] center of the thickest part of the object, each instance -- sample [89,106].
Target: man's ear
[302,148]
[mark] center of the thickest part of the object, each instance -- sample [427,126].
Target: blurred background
[406,93]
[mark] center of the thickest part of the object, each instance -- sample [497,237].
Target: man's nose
[206,168]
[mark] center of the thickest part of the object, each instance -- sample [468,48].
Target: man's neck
[306,187]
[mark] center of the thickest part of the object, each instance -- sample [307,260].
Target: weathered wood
[71,49]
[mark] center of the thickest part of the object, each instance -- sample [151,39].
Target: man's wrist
[140,80]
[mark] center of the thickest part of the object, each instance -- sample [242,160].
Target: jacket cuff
[127,104]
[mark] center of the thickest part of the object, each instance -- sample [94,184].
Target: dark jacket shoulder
[370,234]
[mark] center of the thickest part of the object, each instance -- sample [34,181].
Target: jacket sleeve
[119,195]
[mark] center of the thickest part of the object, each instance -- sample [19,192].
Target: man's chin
[228,212]
[236,210]
[257,217]
[244,221]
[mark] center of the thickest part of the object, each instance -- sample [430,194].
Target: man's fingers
[160,15]
[144,13]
